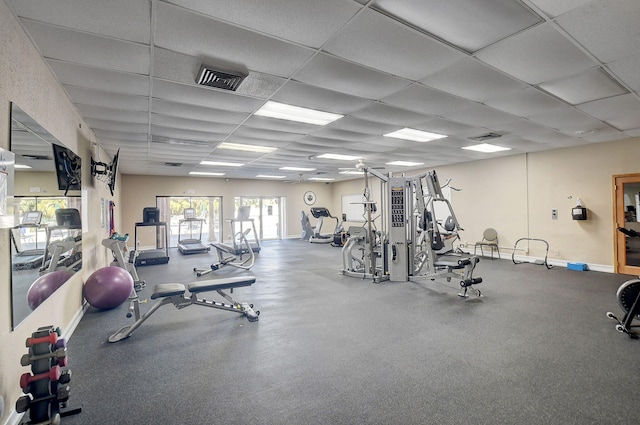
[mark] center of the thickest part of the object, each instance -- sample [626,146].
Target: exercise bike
[628,296]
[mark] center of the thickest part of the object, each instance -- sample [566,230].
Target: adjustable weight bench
[174,293]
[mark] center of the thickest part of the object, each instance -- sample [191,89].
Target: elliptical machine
[628,296]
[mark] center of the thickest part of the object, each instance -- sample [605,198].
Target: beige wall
[26,80]
[141,191]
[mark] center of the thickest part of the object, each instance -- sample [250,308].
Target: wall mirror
[46,243]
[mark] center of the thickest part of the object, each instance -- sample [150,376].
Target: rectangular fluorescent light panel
[205,173]
[338,157]
[296,169]
[266,176]
[282,111]
[486,148]
[321,179]
[246,148]
[405,163]
[415,135]
[21,166]
[221,164]
[356,172]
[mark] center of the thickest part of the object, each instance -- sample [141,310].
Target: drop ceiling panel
[108,100]
[587,86]
[235,138]
[609,32]
[298,94]
[379,112]
[525,102]
[555,8]
[419,98]
[382,43]
[111,114]
[123,19]
[308,22]
[87,49]
[191,124]
[480,116]
[196,35]
[181,134]
[117,126]
[468,24]
[204,96]
[124,136]
[537,55]
[100,79]
[258,122]
[359,125]
[622,112]
[471,79]
[335,74]
[567,118]
[267,135]
[451,128]
[333,133]
[627,71]
[197,112]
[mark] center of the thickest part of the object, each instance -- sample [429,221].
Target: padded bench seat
[221,283]
[163,290]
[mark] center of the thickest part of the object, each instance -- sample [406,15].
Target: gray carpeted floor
[329,349]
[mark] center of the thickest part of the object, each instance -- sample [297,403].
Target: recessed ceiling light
[205,173]
[486,148]
[296,113]
[321,179]
[352,172]
[296,169]
[266,176]
[415,135]
[221,163]
[17,166]
[338,157]
[246,148]
[405,163]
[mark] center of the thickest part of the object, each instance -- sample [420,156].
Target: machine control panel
[397,206]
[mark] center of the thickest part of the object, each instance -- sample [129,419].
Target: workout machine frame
[175,293]
[628,296]
[233,260]
[538,262]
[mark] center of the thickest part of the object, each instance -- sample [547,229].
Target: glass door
[626,209]
[206,208]
[267,213]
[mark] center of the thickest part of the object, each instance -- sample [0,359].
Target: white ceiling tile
[382,43]
[379,112]
[605,135]
[196,35]
[87,49]
[627,71]
[123,19]
[568,120]
[419,98]
[100,79]
[123,136]
[479,115]
[468,24]
[308,22]
[554,8]
[471,79]
[608,30]
[584,87]
[185,135]
[117,126]
[197,112]
[191,124]
[338,75]
[622,112]
[442,126]
[279,125]
[359,125]
[525,102]
[204,96]
[298,94]
[633,133]
[112,114]
[108,100]
[263,134]
[537,55]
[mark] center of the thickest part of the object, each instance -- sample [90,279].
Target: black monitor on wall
[68,168]
[151,215]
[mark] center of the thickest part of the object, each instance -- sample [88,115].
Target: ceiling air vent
[173,164]
[487,136]
[219,79]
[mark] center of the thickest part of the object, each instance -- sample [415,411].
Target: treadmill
[159,255]
[191,245]
[321,213]
[28,258]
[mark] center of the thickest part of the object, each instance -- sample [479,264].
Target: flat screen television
[151,215]
[68,217]
[68,168]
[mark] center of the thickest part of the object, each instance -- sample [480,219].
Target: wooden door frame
[619,240]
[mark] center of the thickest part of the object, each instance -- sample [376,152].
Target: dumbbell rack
[46,387]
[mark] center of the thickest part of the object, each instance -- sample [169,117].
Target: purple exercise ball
[46,285]
[108,287]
